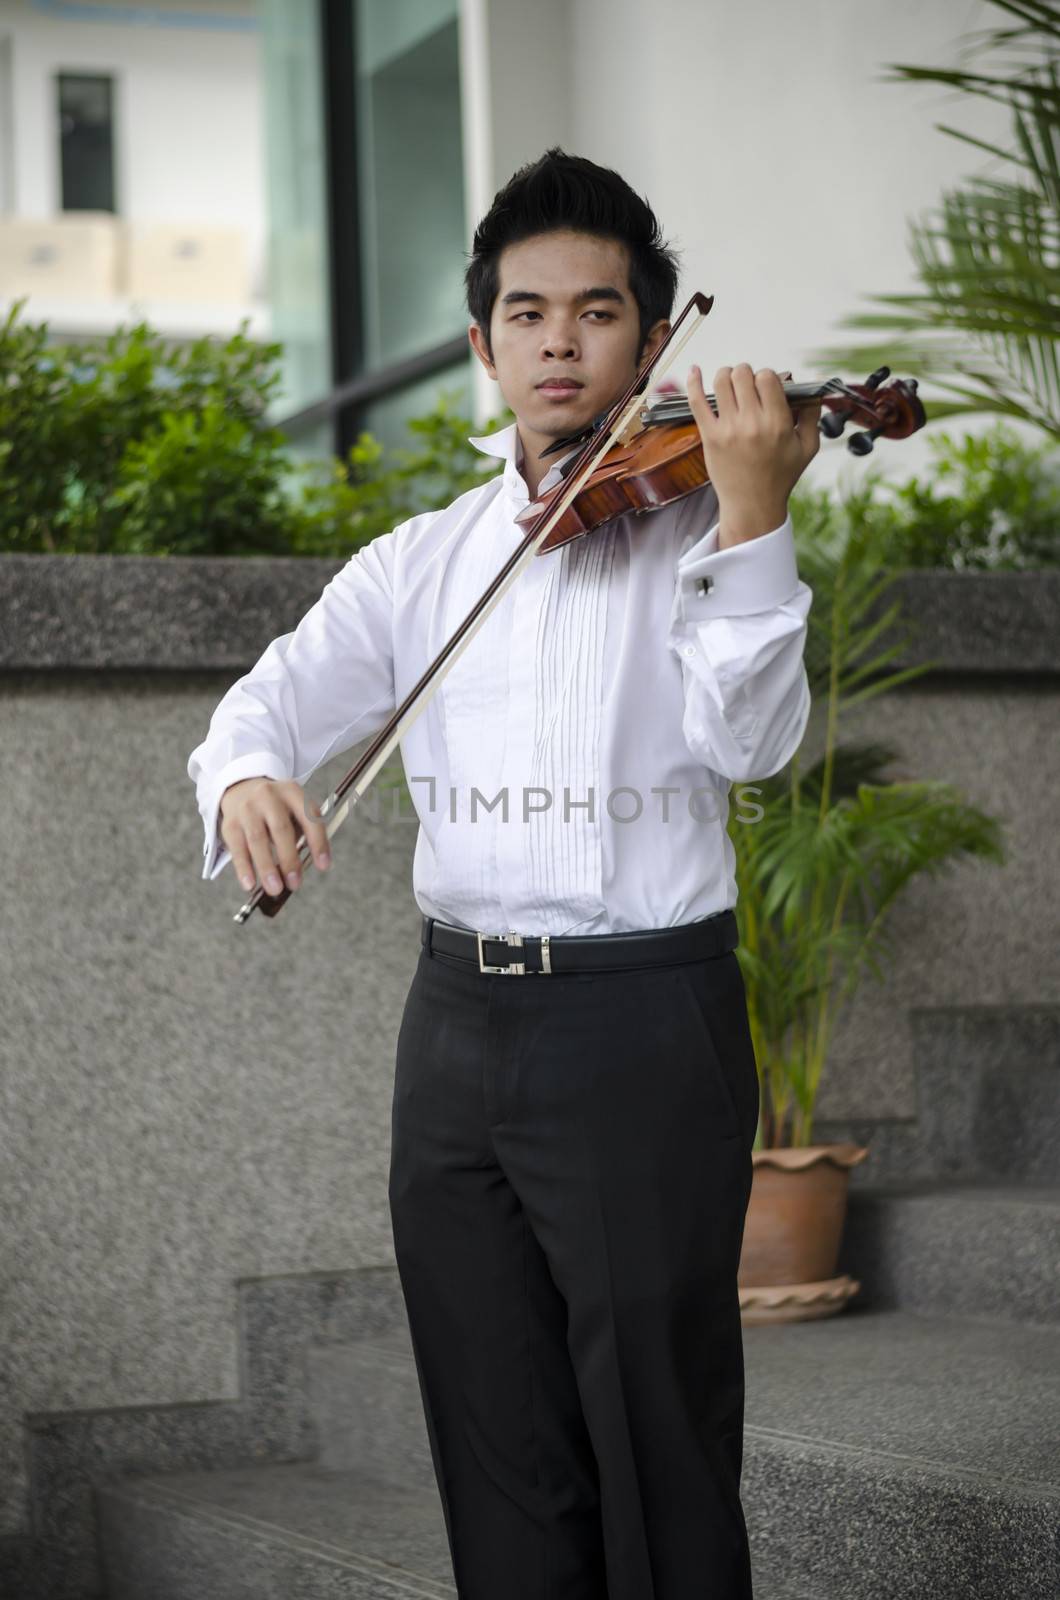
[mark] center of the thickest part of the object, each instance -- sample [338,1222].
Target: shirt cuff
[756,575]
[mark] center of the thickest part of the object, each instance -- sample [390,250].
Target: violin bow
[348,792]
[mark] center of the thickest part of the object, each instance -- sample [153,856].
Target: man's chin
[559,417]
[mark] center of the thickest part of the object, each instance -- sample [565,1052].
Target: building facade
[317,167]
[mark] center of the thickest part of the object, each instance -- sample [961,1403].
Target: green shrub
[128,444]
[374,489]
[987,503]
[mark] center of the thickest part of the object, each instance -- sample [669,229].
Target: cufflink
[704,585]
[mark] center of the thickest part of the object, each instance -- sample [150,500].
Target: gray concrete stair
[280,1532]
[975,1248]
[909,1446]
[888,1455]
[891,1455]
[988,1102]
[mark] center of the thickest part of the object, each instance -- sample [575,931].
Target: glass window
[297,253]
[387,418]
[411,185]
[405,182]
[7,129]
[86,142]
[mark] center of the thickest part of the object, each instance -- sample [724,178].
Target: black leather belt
[522,955]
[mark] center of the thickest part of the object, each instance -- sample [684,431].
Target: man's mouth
[559,386]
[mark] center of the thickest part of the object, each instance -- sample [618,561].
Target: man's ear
[478,344]
[656,336]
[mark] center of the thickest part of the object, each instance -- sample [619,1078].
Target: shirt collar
[507,446]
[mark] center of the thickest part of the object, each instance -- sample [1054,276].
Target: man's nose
[560,341]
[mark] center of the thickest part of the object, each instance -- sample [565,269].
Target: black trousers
[570,1171]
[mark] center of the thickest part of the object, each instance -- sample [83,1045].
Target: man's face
[564,311]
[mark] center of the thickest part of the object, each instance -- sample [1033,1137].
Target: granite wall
[188,1103]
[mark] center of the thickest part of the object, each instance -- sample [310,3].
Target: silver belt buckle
[516,969]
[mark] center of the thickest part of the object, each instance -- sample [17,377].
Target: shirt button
[690,649]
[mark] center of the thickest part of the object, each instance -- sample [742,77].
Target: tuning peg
[860,444]
[832,423]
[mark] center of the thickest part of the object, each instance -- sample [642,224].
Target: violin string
[678,409]
[799,391]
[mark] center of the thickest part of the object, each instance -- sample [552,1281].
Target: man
[573,1115]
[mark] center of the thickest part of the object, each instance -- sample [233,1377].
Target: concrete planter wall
[188,1103]
[184,614]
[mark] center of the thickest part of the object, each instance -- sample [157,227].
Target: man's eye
[608,315]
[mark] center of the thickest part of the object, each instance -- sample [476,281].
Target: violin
[660,458]
[632,458]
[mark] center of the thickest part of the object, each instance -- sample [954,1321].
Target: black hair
[561,191]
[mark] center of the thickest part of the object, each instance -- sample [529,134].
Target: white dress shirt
[607,675]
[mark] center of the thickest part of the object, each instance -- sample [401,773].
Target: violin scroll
[896,411]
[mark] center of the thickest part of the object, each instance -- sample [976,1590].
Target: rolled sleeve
[738,628]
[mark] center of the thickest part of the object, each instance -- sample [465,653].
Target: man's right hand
[262,819]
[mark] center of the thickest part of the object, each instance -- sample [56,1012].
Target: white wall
[780,168]
[188,117]
[517,81]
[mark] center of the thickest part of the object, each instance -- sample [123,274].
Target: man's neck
[532,468]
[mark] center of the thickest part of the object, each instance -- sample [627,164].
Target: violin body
[658,465]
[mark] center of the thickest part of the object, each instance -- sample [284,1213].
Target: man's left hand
[755,449]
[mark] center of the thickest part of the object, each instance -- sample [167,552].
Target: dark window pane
[86,142]
[410,176]
[388,418]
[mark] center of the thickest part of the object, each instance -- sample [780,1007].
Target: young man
[570,1153]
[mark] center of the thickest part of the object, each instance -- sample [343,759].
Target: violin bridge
[633,427]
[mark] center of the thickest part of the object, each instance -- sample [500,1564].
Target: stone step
[888,1455]
[977,1251]
[891,1455]
[275,1532]
[988,1098]
[930,1439]
[972,1249]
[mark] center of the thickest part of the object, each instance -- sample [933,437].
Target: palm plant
[834,843]
[984,328]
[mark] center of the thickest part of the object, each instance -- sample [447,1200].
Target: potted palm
[829,846]
[836,843]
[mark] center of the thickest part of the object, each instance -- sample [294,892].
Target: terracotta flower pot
[792,1233]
